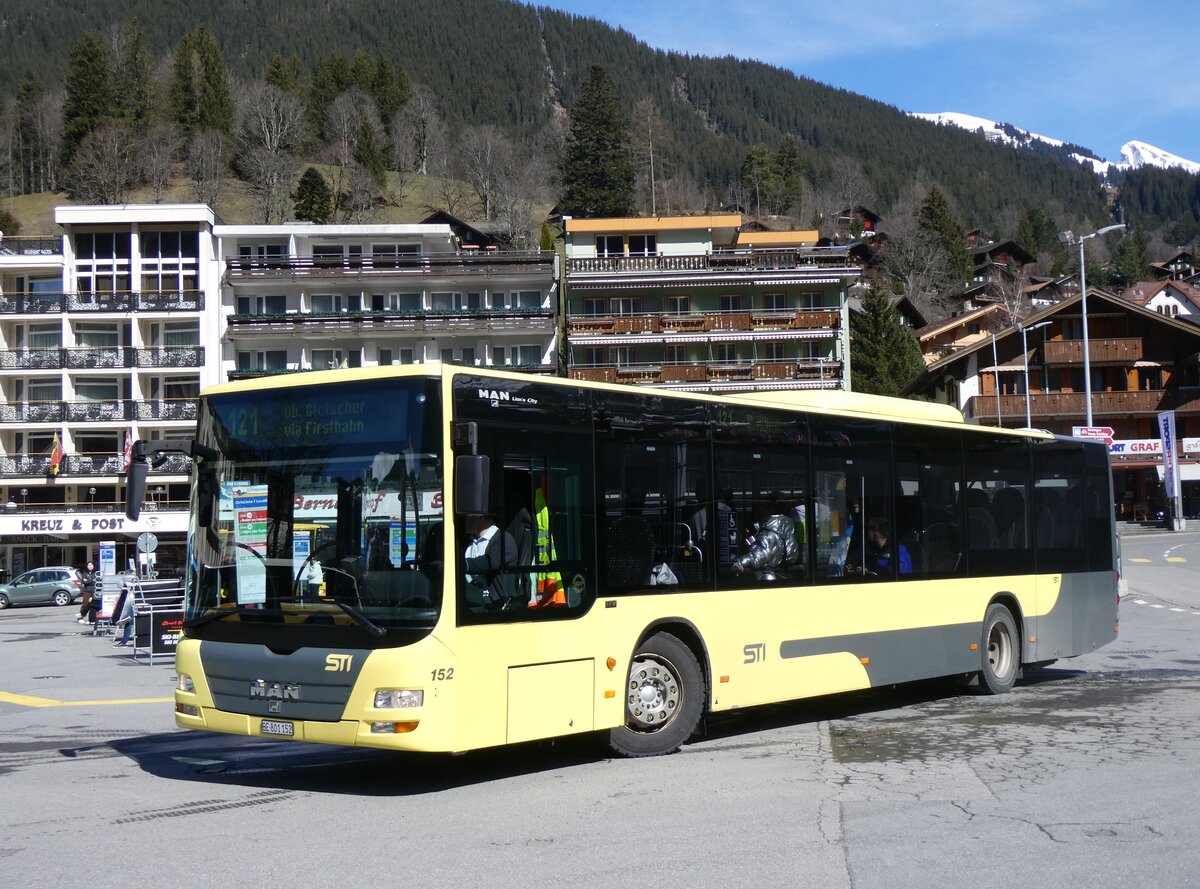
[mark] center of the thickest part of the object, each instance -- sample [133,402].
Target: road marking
[1180,610]
[1176,559]
[7,697]
[1141,561]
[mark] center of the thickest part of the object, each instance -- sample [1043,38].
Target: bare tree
[650,137]
[105,165]
[206,164]
[345,120]
[157,158]
[420,124]
[488,160]
[270,118]
[268,178]
[358,199]
[845,186]
[912,260]
[452,194]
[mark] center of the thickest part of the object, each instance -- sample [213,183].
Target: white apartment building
[110,329]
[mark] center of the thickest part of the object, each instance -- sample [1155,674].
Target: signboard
[250,534]
[108,557]
[1166,431]
[1100,433]
[165,630]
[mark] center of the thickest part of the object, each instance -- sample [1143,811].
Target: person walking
[91,604]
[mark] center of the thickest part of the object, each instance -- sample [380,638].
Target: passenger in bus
[488,553]
[773,547]
[878,557]
[314,578]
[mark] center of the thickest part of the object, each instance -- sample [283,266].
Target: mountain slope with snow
[1134,154]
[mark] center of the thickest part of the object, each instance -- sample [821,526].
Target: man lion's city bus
[328,598]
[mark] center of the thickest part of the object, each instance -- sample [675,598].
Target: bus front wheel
[663,699]
[1001,660]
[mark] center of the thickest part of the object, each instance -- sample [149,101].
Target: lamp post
[1069,238]
[24,494]
[1025,357]
[91,498]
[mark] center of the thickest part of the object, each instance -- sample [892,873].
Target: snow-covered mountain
[1133,154]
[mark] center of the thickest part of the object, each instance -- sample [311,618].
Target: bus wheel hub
[654,694]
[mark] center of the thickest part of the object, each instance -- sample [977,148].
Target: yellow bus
[638,558]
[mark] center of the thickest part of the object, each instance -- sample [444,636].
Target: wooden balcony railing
[715,261]
[1072,404]
[1100,351]
[750,372]
[701,322]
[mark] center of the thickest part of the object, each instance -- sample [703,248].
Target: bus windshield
[319,520]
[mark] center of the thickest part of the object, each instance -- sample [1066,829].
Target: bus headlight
[184,683]
[387,699]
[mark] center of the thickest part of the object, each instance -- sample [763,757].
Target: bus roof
[824,400]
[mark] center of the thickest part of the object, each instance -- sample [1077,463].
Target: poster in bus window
[301,549]
[402,538]
[250,535]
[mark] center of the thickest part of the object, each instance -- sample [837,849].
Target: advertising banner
[1166,430]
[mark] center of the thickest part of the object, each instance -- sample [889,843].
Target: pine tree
[132,89]
[87,102]
[598,169]
[283,73]
[1131,261]
[934,215]
[369,152]
[390,90]
[759,175]
[200,97]
[313,198]
[884,354]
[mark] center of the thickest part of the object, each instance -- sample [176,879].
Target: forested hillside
[477,74]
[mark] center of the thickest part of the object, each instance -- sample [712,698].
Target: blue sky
[1097,73]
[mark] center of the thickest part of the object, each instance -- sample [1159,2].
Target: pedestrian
[91,603]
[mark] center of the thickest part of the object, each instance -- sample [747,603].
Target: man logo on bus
[260,688]
[495,396]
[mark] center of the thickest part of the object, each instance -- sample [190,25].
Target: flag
[127,458]
[56,455]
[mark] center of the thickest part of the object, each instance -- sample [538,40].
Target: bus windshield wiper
[216,614]
[361,619]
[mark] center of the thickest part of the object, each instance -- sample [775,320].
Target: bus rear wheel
[1001,656]
[664,697]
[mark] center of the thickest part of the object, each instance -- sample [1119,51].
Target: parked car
[58,584]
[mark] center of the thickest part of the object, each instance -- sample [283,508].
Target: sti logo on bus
[260,688]
[338,663]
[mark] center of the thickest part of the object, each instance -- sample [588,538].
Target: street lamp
[91,498]
[1068,238]
[24,494]
[1025,357]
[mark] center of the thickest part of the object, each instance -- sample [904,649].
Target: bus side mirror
[471,476]
[206,493]
[135,482]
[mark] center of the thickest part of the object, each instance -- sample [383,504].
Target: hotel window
[591,357]
[496,300]
[169,260]
[528,356]
[96,389]
[595,306]
[262,251]
[41,390]
[529,299]
[447,355]
[102,262]
[811,301]
[675,354]
[385,357]
[610,245]
[643,245]
[626,305]
[406,356]
[499,358]
[327,255]
[468,355]
[731,302]
[274,359]
[176,387]
[327,359]
[40,336]
[774,352]
[326,303]
[275,304]
[622,356]
[679,305]
[775,302]
[176,333]
[441,302]
[97,336]
[725,353]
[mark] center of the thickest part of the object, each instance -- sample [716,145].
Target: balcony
[1123,350]
[41,303]
[244,373]
[1071,405]
[33,245]
[114,301]
[719,260]
[487,264]
[99,359]
[25,412]
[31,359]
[169,301]
[803,373]
[171,356]
[84,465]
[358,322]
[680,324]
